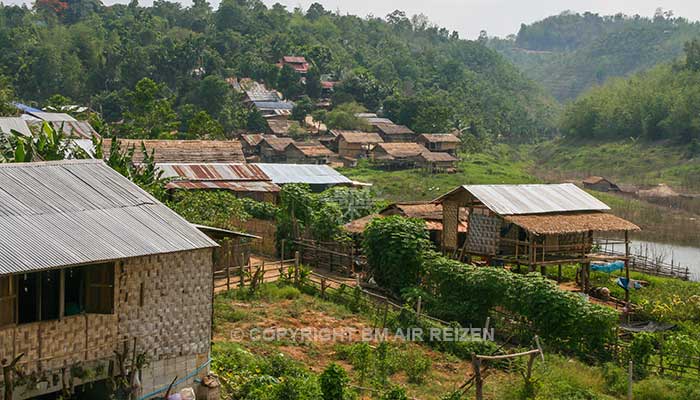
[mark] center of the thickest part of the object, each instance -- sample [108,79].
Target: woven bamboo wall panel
[450,218]
[484,234]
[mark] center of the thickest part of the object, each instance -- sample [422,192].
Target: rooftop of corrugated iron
[304,173]
[74,212]
[7,124]
[532,198]
[184,151]
[213,172]
[234,186]
[294,59]
[277,144]
[253,139]
[52,117]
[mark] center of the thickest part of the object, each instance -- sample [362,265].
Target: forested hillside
[99,56]
[570,52]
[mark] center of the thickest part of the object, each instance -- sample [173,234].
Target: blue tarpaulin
[623,283]
[608,268]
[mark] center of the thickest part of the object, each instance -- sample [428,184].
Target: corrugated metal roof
[234,186]
[303,173]
[63,213]
[213,172]
[274,105]
[7,124]
[52,117]
[534,199]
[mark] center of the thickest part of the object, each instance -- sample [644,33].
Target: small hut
[600,184]
[534,225]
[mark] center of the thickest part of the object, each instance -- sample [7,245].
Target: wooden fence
[237,276]
[645,263]
[331,256]
[665,363]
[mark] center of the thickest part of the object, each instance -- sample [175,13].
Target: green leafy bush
[417,366]
[215,208]
[333,381]
[395,248]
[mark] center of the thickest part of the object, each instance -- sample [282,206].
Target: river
[685,256]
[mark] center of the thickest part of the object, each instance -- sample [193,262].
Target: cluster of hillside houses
[91,265]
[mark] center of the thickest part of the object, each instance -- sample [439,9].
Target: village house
[273,149]
[394,133]
[600,184]
[355,144]
[299,64]
[397,155]
[279,127]
[435,162]
[318,177]
[250,144]
[310,152]
[439,142]
[96,266]
[181,151]
[533,225]
[243,180]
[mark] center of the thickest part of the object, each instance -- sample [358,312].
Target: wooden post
[559,274]
[630,373]
[530,362]
[296,267]
[7,372]
[323,288]
[228,277]
[282,255]
[627,268]
[478,384]
[419,306]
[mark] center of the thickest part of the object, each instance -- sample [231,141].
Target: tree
[7,95]
[202,126]
[255,121]
[344,116]
[302,107]
[289,82]
[149,113]
[362,87]
[313,83]
[48,144]
[692,55]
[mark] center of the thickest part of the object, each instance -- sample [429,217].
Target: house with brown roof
[272,149]
[310,152]
[396,155]
[600,184]
[391,132]
[299,64]
[436,161]
[440,142]
[355,144]
[182,151]
[250,143]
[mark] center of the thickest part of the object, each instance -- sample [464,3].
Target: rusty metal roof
[74,212]
[234,186]
[532,199]
[213,172]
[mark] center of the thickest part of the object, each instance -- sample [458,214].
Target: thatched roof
[439,138]
[430,213]
[277,144]
[661,190]
[573,222]
[358,136]
[402,150]
[436,156]
[183,151]
[313,149]
[393,129]
[359,225]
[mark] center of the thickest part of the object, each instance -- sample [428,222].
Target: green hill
[570,52]
[96,54]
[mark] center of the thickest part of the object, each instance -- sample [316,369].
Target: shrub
[664,389]
[395,247]
[417,366]
[395,393]
[333,381]
[641,350]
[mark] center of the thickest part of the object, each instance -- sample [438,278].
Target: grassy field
[628,162]
[289,369]
[502,164]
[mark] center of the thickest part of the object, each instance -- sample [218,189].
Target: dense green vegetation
[571,52]
[158,68]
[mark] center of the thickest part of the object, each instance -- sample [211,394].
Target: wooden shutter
[8,300]
[99,289]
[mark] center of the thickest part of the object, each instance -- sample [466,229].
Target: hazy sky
[497,17]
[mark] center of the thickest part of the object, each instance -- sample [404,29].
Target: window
[38,296]
[8,300]
[99,289]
